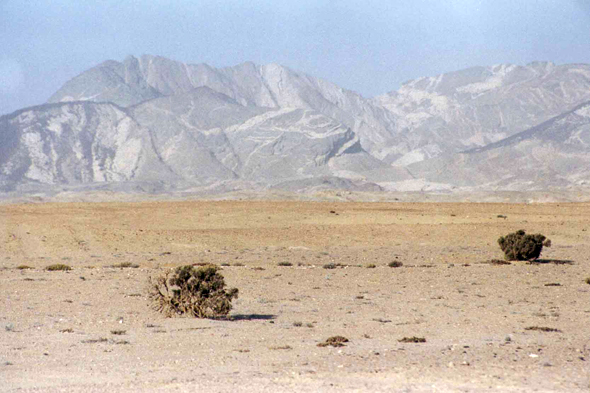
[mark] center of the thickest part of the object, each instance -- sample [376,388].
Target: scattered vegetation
[95,341]
[519,246]
[334,265]
[395,264]
[284,263]
[334,341]
[587,280]
[124,265]
[196,291]
[24,267]
[281,347]
[118,332]
[412,339]
[542,329]
[58,267]
[68,330]
[497,262]
[371,266]
[381,320]
[297,324]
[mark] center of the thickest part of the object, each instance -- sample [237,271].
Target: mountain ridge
[194,125]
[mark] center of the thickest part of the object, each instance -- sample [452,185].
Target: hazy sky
[368,46]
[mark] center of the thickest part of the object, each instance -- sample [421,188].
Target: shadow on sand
[553,261]
[252,317]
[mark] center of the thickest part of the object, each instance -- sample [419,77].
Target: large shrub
[519,246]
[196,291]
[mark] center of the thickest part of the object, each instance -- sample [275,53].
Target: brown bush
[196,291]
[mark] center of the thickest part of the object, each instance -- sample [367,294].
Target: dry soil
[486,325]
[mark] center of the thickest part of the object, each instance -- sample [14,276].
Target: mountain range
[163,124]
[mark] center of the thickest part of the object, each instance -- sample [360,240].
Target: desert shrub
[334,341]
[371,266]
[58,267]
[285,263]
[197,291]
[587,280]
[124,265]
[412,339]
[519,246]
[23,267]
[395,264]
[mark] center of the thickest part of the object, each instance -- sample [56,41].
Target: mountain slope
[470,108]
[555,153]
[79,142]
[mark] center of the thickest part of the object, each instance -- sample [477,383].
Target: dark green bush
[196,291]
[519,246]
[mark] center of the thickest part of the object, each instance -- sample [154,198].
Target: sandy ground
[92,328]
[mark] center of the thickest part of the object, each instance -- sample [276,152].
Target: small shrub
[371,266]
[395,264]
[542,329]
[334,341]
[284,264]
[58,267]
[412,339]
[330,266]
[124,265]
[196,291]
[95,340]
[287,347]
[587,280]
[23,267]
[519,246]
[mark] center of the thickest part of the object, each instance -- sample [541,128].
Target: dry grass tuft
[334,341]
[124,265]
[412,339]
[58,267]
[543,329]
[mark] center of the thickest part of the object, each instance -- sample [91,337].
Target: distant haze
[370,47]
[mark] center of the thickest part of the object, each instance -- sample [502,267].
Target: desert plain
[305,271]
